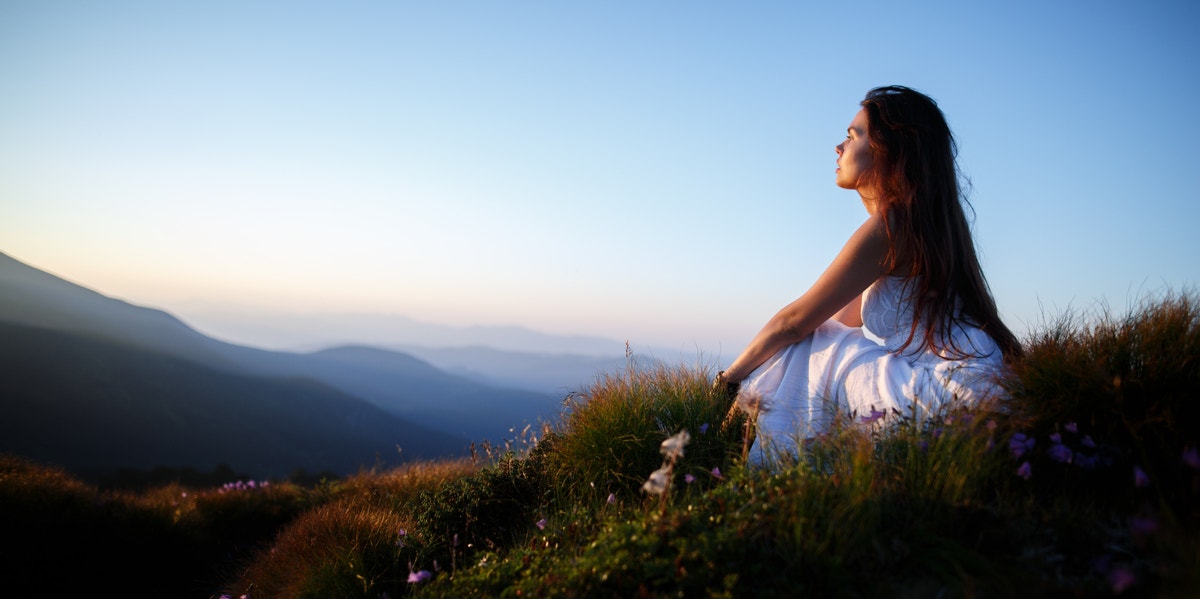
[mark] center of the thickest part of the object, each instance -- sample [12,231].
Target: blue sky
[658,172]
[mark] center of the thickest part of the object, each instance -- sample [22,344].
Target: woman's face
[854,153]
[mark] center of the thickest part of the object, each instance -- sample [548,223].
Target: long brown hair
[916,177]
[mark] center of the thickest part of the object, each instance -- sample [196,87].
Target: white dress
[857,371]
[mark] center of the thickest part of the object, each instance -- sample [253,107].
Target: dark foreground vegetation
[1084,482]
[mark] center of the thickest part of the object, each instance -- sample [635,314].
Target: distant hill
[120,359]
[553,373]
[94,406]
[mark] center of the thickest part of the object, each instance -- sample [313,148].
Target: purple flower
[1088,442]
[703,428]
[419,576]
[1191,457]
[541,524]
[1055,438]
[1019,444]
[924,445]
[612,498]
[1139,477]
[1087,462]
[1071,427]
[1025,471]
[1141,526]
[716,472]
[1121,578]
[874,416]
[689,479]
[1059,453]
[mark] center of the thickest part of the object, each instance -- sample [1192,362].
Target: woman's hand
[723,386]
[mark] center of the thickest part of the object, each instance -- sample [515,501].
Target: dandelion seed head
[658,481]
[672,447]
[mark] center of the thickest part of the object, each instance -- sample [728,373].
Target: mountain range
[93,383]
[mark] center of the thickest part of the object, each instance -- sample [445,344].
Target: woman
[902,321]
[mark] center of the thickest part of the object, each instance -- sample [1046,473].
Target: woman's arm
[851,314]
[857,266]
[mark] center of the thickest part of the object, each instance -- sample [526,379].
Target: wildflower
[1059,453]
[703,428]
[1019,444]
[1071,427]
[658,481]
[1087,462]
[874,416]
[1139,477]
[1025,471]
[1141,526]
[1087,441]
[541,524]
[419,576]
[716,472]
[1121,578]
[403,535]
[612,498]
[1055,438]
[689,479]
[673,446]
[1191,457]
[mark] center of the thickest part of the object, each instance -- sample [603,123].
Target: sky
[660,173]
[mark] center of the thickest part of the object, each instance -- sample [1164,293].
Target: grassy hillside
[1085,482]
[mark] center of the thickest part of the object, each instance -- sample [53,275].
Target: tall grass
[1084,482]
